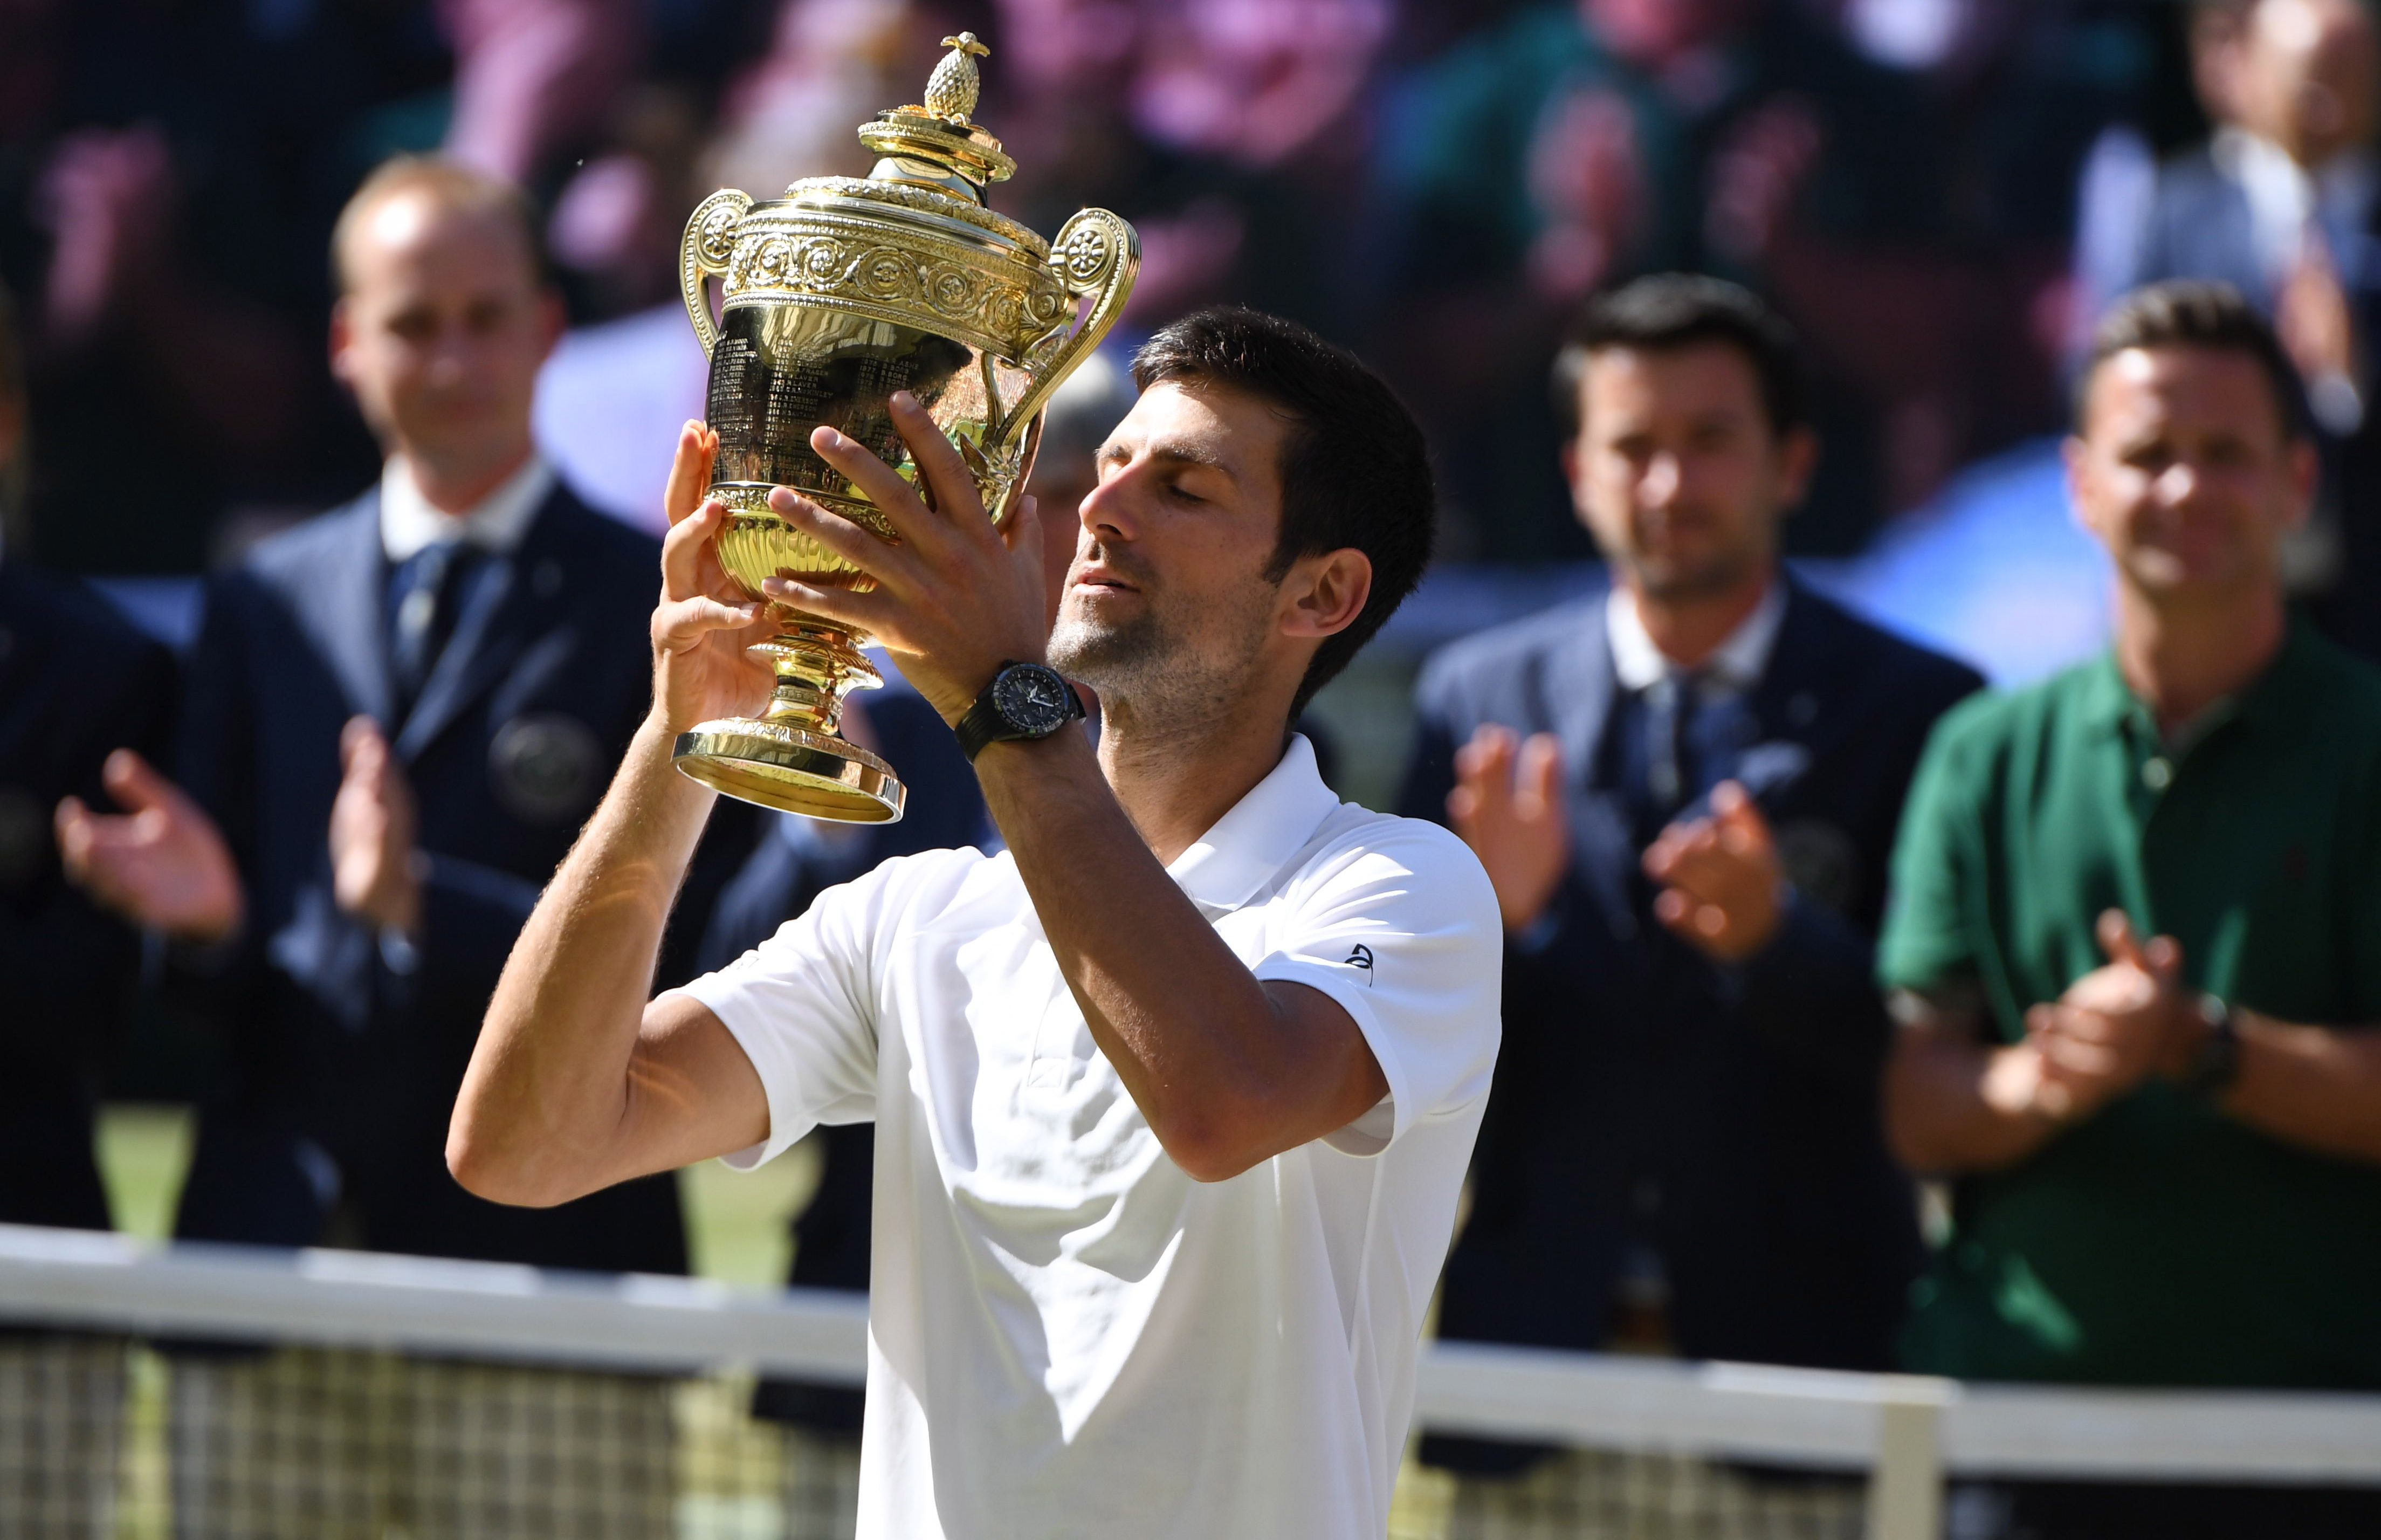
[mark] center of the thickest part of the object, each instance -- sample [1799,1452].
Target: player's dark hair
[1354,471]
[1671,311]
[2191,312]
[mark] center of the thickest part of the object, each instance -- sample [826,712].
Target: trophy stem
[788,758]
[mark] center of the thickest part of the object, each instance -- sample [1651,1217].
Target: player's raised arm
[576,1082]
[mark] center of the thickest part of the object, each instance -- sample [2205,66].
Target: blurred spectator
[2114,894]
[77,681]
[1685,791]
[399,714]
[1576,145]
[2283,203]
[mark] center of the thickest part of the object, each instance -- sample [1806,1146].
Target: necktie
[422,595]
[1671,704]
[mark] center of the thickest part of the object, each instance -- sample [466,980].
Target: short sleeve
[1398,924]
[1930,934]
[803,1006]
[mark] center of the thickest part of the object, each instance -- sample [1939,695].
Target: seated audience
[2135,949]
[1685,791]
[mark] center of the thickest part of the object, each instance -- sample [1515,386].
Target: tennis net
[201,1392]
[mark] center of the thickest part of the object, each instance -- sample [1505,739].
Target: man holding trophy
[1174,1096]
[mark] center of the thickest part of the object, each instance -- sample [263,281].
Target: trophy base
[791,769]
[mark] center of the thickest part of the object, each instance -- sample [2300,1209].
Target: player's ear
[1326,593]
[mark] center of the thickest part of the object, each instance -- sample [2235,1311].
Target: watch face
[1035,699]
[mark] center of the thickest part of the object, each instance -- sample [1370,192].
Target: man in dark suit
[398,715]
[77,681]
[1685,791]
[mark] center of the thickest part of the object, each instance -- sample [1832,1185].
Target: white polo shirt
[1068,1335]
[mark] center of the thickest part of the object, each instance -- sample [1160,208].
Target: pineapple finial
[951,92]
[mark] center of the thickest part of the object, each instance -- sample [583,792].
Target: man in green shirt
[2135,949]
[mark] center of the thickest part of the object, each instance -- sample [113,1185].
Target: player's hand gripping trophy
[835,296]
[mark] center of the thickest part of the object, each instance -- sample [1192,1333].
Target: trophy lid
[935,144]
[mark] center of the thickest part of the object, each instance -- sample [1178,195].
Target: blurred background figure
[399,714]
[1685,791]
[2115,893]
[77,682]
[2283,203]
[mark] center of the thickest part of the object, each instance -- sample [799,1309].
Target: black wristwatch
[2219,1064]
[1023,700]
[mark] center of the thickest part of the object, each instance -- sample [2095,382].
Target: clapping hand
[1724,887]
[376,870]
[2115,1026]
[161,862]
[1508,805]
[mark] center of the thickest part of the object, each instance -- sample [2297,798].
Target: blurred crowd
[1856,1017]
[1436,185]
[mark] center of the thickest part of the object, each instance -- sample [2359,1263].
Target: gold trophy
[835,296]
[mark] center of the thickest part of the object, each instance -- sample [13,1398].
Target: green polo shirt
[2160,1242]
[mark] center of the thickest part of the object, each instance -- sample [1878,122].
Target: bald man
[398,715]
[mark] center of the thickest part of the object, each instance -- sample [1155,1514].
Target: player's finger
[865,548]
[683,548]
[950,486]
[867,612]
[895,498]
[690,472]
[680,625]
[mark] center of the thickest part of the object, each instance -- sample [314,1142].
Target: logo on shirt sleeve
[1361,958]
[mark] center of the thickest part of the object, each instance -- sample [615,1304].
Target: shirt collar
[1736,664]
[1248,845]
[2108,701]
[409,522]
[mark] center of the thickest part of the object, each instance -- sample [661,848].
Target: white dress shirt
[496,524]
[1068,1335]
[1736,664]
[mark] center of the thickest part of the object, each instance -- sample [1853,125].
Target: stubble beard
[1150,673]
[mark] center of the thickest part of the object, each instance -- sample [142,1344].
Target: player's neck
[1176,777]
[2182,656]
[1688,628]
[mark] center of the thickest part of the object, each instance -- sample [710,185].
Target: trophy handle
[1097,254]
[710,241]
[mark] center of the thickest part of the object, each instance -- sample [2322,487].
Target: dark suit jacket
[347,1052]
[77,681]
[1725,1116]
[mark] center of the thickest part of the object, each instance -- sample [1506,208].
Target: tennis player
[1174,1096]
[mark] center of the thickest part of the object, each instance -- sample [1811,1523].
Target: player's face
[1167,599]
[441,332]
[1677,471]
[2184,471]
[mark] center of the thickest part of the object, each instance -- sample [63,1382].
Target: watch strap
[2219,1064]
